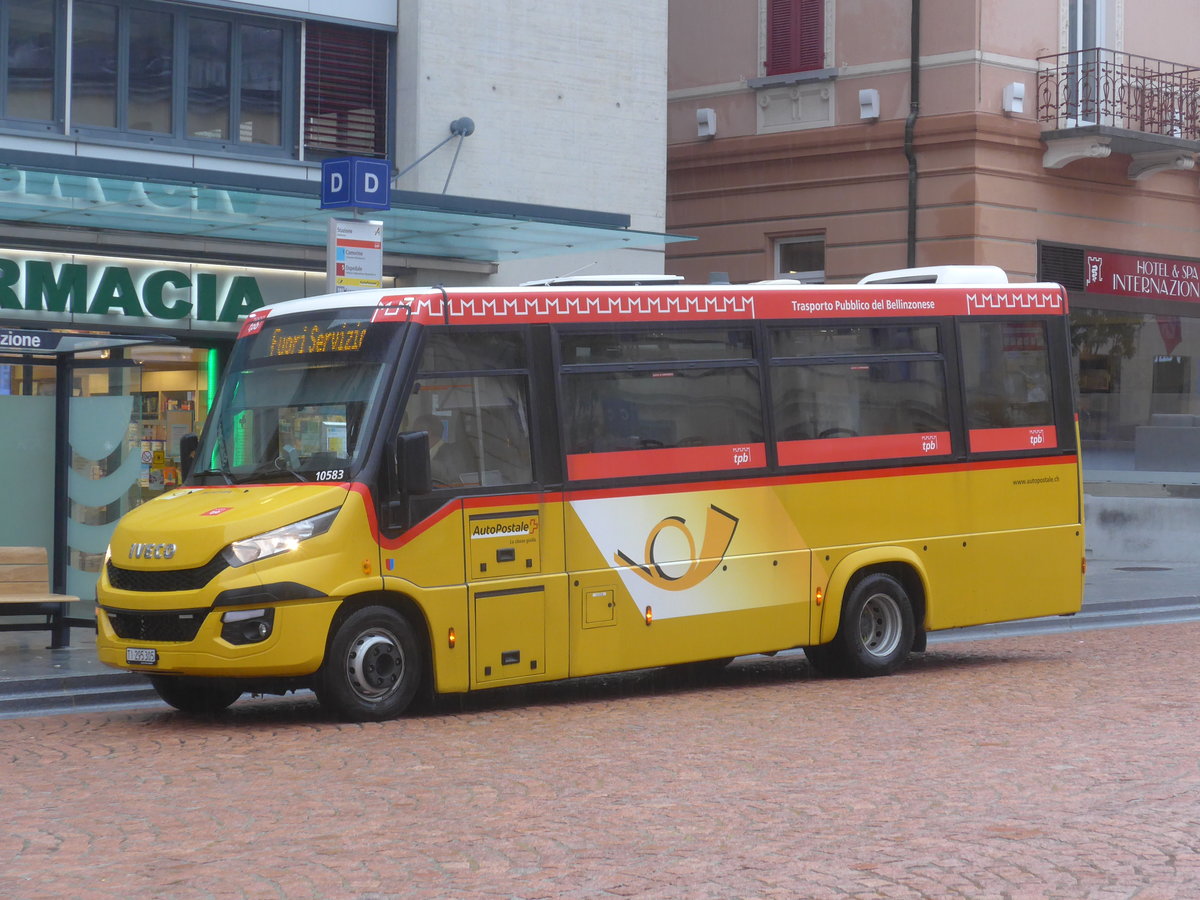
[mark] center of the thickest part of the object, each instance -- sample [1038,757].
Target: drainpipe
[914,109]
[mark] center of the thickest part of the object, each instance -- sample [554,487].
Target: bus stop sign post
[356,182]
[355,247]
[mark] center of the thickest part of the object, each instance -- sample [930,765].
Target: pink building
[1056,139]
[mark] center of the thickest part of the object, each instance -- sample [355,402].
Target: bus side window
[1006,370]
[656,409]
[667,399]
[478,428]
[852,393]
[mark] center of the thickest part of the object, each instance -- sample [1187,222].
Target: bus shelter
[71,413]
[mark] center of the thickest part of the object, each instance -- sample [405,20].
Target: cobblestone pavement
[1050,766]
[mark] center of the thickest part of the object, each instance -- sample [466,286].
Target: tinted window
[478,429]
[478,425]
[1006,370]
[847,399]
[452,351]
[656,346]
[858,340]
[671,414]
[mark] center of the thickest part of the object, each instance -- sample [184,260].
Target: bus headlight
[278,540]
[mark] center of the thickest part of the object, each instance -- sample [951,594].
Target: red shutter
[810,15]
[345,91]
[795,36]
[781,55]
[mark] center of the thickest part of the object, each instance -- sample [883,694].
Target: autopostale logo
[719,527]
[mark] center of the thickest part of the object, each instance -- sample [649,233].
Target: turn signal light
[452,638]
[649,615]
[820,595]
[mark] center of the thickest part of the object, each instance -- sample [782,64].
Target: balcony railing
[1119,90]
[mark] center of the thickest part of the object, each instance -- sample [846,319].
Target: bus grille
[166,580]
[178,625]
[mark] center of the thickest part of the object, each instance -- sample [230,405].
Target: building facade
[161,177]
[826,139]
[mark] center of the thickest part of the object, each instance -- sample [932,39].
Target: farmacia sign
[109,292]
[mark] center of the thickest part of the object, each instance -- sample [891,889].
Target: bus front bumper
[293,646]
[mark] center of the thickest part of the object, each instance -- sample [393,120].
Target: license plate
[142,656]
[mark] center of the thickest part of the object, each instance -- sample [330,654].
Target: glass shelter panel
[107,465]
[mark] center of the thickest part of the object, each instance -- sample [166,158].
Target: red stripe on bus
[665,461]
[998,440]
[859,447]
[820,477]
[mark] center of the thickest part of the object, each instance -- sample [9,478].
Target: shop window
[795,36]
[1139,409]
[801,259]
[28,86]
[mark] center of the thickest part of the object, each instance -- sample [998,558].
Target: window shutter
[795,36]
[345,96]
[780,37]
[811,24]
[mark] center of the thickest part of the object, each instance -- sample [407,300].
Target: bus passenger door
[517,594]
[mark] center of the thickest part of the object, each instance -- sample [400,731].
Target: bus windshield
[294,400]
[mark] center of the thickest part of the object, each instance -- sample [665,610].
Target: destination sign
[303,339]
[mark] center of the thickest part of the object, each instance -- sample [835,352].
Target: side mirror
[411,463]
[188,445]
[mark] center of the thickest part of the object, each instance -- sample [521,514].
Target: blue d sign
[356,181]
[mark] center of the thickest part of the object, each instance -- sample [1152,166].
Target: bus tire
[197,696]
[373,666]
[875,634]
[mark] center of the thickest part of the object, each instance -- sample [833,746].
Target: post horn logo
[718,533]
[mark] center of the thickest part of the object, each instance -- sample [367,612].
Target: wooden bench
[25,591]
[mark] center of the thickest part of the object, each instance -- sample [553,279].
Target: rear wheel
[195,695]
[373,667]
[875,634]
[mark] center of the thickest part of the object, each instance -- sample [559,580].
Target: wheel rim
[375,664]
[880,625]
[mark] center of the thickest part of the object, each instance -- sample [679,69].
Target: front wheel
[373,666]
[875,634]
[197,696]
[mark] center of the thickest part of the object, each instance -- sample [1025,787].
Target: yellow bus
[407,492]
